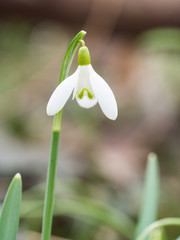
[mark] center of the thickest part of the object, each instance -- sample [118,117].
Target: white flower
[88,88]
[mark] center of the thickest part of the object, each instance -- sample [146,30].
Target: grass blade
[9,218]
[148,211]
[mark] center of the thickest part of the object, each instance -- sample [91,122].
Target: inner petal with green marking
[83,91]
[86,92]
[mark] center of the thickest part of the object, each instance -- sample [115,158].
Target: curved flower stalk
[88,89]
[52,165]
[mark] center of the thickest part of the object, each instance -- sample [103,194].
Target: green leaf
[9,218]
[149,207]
[158,234]
[160,223]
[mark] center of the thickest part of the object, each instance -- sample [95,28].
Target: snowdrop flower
[87,86]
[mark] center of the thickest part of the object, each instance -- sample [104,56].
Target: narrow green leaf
[160,223]
[158,234]
[9,218]
[149,207]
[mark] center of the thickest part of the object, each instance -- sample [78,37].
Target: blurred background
[135,47]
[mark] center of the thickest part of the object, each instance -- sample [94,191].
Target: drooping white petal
[85,102]
[104,95]
[61,94]
[76,85]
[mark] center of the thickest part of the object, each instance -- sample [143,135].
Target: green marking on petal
[81,94]
[90,95]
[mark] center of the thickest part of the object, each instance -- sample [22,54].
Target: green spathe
[84,56]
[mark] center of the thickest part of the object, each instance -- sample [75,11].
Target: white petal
[76,85]
[61,94]
[85,102]
[104,95]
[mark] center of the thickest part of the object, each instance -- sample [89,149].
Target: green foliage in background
[91,214]
[162,39]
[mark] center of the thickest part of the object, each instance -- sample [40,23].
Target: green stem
[49,198]
[52,166]
[159,223]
